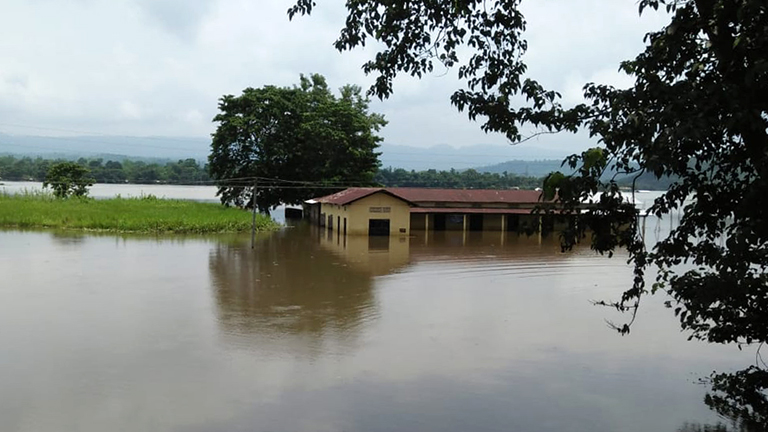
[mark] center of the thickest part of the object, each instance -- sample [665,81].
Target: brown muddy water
[311,332]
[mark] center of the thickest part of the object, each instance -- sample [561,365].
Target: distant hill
[445,157]
[106,147]
[440,157]
[541,168]
[532,168]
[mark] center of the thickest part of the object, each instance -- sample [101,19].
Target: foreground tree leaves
[697,112]
[297,142]
[418,35]
[741,398]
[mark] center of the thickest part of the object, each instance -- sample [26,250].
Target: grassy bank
[143,215]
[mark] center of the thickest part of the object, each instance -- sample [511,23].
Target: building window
[379,209]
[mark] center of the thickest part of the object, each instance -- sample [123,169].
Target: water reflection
[731,426]
[372,255]
[309,332]
[288,287]
[455,244]
[698,427]
[68,238]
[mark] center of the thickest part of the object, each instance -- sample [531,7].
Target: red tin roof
[506,196]
[469,210]
[416,195]
[353,194]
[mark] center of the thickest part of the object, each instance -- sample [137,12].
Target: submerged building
[398,211]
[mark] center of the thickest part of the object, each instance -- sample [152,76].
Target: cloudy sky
[157,67]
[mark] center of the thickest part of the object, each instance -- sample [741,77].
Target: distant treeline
[474,179]
[189,171]
[465,179]
[186,171]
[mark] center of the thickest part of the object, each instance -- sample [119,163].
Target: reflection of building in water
[289,286]
[397,211]
[490,246]
[309,282]
[375,255]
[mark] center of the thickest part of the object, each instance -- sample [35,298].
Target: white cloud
[179,17]
[129,110]
[101,66]
[194,116]
[573,90]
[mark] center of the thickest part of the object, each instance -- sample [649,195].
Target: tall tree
[697,112]
[298,141]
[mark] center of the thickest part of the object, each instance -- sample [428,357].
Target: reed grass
[146,214]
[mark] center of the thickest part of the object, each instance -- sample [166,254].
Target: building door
[330,222]
[378,227]
[345,226]
[475,222]
[439,222]
[513,222]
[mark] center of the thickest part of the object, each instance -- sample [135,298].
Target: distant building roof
[416,195]
[506,196]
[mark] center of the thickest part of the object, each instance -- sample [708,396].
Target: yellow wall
[374,255]
[358,214]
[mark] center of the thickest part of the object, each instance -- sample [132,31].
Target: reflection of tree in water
[698,427]
[67,238]
[741,397]
[73,237]
[288,285]
[732,426]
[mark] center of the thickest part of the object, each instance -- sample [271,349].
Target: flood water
[109,190]
[311,332]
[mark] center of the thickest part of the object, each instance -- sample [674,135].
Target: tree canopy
[697,113]
[68,179]
[301,141]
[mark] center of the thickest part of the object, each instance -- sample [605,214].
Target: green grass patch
[146,214]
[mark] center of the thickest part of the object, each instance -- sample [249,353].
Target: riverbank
[140,215]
